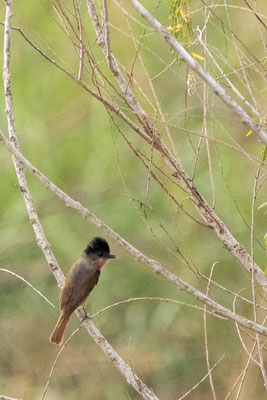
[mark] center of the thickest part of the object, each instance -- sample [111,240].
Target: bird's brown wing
[79,282]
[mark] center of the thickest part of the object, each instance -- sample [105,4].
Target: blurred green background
[68,135]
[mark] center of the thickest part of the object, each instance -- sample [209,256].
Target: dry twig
[28,283]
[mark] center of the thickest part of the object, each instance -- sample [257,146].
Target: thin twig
[107,34]
[249,353]
[230,30]
[80,28]
[229,82]
[261,362]
[205,116]
[202,380]
[28,283]
[244,72]
[251,358]
[206,335]
[131,299]
[241,377]
[256,14]
[56,359]
[159,108]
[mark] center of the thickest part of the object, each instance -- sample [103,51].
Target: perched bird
[79,282]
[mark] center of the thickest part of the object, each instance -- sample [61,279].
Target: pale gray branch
[7,398]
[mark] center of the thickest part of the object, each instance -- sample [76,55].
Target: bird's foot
[86,316]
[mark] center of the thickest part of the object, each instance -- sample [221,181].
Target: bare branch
[256,14]
[7,398]
[28,283]
[80,27]
[231,85]
[205,128]
[131,299]
[261,362]
[251,358]
[202,380]
[206,336]
[56,359]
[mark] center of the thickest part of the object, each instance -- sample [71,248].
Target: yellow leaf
[178,27]
[195,55]
[183,16]
[170,28]
[249,133]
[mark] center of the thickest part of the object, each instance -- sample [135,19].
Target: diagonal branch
[7,398]
[256,15]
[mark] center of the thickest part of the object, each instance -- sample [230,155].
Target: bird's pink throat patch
[101,263]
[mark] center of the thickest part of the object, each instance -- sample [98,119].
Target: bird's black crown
[99,247]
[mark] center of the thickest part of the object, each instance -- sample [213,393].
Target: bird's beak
[111,256]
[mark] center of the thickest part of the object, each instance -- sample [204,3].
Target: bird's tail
[57,335]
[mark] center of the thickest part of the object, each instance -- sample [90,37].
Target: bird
[80,281]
